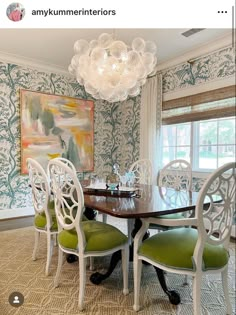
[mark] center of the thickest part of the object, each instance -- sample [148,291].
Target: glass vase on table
[130,179]
[113,179]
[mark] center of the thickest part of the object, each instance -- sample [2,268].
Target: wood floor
[16,223]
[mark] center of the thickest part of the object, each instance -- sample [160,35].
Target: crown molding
[33,64]
[200,52]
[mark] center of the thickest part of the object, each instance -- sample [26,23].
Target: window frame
[195,145]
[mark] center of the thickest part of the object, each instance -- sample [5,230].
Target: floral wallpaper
[116,125]
[116,136]
[212,67]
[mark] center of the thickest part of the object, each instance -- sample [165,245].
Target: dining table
[141,201]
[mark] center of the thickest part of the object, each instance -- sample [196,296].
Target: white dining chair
[82,238]
[142,170]
[177,174]
[71,165]
[194,251]
[45,218]
[67,162]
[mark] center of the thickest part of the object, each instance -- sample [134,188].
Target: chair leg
[125,268]
[82,281]
[55,239]
[50,245]
[91,263]
[36,244]
[137,279]
[197,280]
[104,218]
[224,276]
[59,266]
[185,280]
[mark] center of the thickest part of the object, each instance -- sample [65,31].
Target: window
[206,144]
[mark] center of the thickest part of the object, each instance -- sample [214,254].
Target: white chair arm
[171,222]
[139,236]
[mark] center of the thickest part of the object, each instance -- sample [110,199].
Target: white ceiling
[55,46]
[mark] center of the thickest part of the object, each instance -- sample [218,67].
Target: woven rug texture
[18,272]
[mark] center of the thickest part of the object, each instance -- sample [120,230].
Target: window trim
[194,144]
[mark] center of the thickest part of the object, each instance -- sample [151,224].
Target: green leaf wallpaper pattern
[212,67]
[116,136]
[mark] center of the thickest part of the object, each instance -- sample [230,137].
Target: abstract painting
[57,126]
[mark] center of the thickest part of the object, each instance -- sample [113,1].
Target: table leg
[173,296]
[97,277]
[90,213]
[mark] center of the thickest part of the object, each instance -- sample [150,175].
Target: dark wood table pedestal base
[173,296]
[97,277]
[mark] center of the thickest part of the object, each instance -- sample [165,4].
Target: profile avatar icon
[15,12]
[16,300]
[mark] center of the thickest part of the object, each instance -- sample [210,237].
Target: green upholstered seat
[40,220]
[175,249]
[99,237]
[172,216]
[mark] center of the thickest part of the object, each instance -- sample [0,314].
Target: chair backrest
[66,161]
[69,198]
[142,170]
[173,198]
[176,174]
[215,219]
[41,191]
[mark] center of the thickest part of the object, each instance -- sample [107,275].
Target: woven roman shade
[207,105]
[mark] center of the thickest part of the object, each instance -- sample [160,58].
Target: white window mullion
[176,142]
[217,144]
[195,145]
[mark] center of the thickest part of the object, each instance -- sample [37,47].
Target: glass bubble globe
[111,70]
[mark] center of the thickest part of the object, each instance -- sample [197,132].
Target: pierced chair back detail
[45,220]
[40,187]
[176,174]
[81,238]
[67,162]
[215,220]
[142,170]
[69,198]
[203,250]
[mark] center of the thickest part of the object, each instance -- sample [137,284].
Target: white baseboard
[16,213]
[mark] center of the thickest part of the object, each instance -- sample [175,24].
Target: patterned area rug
[19,273]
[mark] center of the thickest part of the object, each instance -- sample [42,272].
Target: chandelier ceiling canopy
[109,69]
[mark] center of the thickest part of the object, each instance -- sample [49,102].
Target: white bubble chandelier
[109,69]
